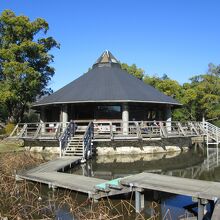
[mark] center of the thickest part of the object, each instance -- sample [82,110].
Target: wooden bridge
[50,173]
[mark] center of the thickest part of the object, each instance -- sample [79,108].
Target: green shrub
[217,123]
[9,128]
[2,131]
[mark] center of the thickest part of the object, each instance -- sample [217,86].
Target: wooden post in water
[139,200]
[201,209]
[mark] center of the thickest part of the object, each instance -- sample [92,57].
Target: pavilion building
[106,92]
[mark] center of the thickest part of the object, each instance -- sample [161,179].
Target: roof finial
[106,58]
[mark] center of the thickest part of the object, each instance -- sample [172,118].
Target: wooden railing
[212,132]
[145,129]
[40,130]
[87,142]
[115,129]
[67,133]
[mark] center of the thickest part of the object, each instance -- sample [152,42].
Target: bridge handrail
[212,131]
[63,139]
[87,141]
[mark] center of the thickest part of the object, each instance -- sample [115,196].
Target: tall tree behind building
[24,62]
[133,70]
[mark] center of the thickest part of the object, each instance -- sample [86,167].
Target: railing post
[23,130]
[37,131]
[207,133]
[181,128]
[60,145]
[138,130]
[16,127]
[111,131]
[83,160]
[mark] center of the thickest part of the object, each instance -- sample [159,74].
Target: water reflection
[195,164]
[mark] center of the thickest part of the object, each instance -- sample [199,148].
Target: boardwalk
[48,173]
[190,187]
[202,192]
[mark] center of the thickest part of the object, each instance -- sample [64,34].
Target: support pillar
[64,115]
[42,119]
[155,195]
[125,118]
[168,119]
[139,201]
[201,209]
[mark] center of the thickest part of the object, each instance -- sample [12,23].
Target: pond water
[197,163]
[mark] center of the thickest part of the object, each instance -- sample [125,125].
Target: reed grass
[28,200]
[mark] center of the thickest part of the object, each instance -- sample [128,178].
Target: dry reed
[26,200]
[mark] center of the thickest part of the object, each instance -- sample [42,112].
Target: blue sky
[176,37]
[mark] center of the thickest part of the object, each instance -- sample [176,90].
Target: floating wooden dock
[49,173]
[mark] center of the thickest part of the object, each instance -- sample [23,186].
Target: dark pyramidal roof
[107,82]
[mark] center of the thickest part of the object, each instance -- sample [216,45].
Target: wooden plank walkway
[48,173]
[201,191]
[176,185]
[57,164]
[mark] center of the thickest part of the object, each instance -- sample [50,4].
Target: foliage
[31,116]
[207,89]
[133,70]
[9,128]
[2,131]
[200,97]
[3,112]
[24,62]
[164,84]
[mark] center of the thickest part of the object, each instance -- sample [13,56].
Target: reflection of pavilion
[114,166]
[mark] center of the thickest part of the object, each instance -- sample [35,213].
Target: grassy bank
[11,146]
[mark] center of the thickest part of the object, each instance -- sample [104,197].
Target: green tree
[164,84]
[207,88]
[171,88]
[133,70]
[151,80]
[24,62]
